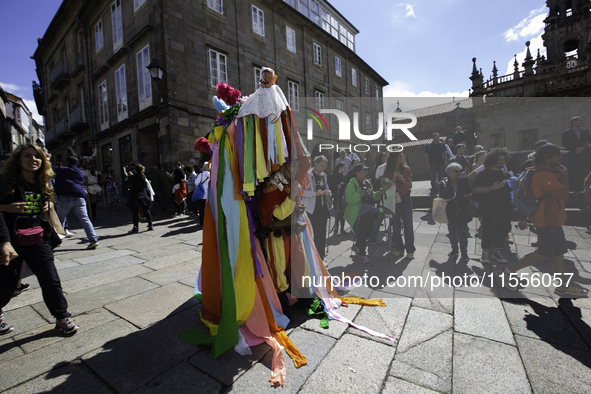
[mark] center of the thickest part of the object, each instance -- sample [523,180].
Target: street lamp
[155,70]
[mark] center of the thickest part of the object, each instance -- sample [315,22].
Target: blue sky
[423,48]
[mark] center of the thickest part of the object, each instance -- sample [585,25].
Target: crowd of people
[478,186]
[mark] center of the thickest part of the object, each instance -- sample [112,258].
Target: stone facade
[183,36]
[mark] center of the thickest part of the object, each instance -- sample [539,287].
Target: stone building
[565,71]
[96,92]
[17,125]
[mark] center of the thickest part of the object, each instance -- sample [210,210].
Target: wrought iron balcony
[59,75]
[77,119]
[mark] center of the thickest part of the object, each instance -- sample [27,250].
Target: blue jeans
[458,232]
[78,205]
[436,175]
[404,212]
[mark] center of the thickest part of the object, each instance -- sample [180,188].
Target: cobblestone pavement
[133,295]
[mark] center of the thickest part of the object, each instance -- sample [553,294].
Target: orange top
[558,190]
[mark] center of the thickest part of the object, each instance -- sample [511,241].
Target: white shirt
[380,171]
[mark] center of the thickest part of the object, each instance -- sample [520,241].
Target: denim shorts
[551,242]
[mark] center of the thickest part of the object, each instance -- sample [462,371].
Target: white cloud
[9,87]
[33,108]
[410,100]
[535,44]
[410,11]
[529,27]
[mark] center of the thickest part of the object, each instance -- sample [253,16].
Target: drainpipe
[90,107]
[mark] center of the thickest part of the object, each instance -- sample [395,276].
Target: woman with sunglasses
[456,188]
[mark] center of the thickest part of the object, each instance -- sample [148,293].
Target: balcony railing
[77,119]
[60,127]
[59,73]
[50,135]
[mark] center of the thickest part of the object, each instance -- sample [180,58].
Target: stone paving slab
[541,318]
[9,349]
[312,345]
[131,361]
[398,386]
[169,259]
[140,311]
[482,317]
[103,255]
[230,366]
[68,378]
[183,378]
[33,364]
[23,319]
[45,335]
[174,273]
[424,354]
[29,297]
[484,366]
[555,368]
[147,243]
[102,267]
[341,371]
[389,319]
[103,278]
[96,297]
[336,329]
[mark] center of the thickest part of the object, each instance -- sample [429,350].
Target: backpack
[523,198]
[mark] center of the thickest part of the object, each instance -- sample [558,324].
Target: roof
[15,99]
[442,108]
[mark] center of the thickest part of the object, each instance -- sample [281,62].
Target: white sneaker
[497,255]
[485,257]
[68,234]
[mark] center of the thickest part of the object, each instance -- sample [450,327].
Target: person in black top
[461,158]
[459,137]
[455,189]
[139,198]
[338,183]
[317,201]
[530,162]
[578,159]
[7,254]
[492,192]
[436,154]
[179,187]
[26,197]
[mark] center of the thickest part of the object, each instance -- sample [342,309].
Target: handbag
[439,210]
[199,192]
[28,236]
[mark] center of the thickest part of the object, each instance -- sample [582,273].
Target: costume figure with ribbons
[259,169]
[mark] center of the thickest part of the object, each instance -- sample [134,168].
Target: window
[325,20]
[366,86]
[216,5]
[258,21]
[304,9]
[317,55]
[217,67]
[354,77]
[355,110]
[319,100]
[293,97]
[496,140]
[291,39]
[334,27]
[376,92]
[340,105]
[314,12]
[103,105]
[292,3]
[257,76]
[117,25]
[367,123]
[144,82]
[98,35]
[337,66]
[121,90]
[527,139]
[137,4]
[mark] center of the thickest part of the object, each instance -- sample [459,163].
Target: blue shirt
[69,181]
